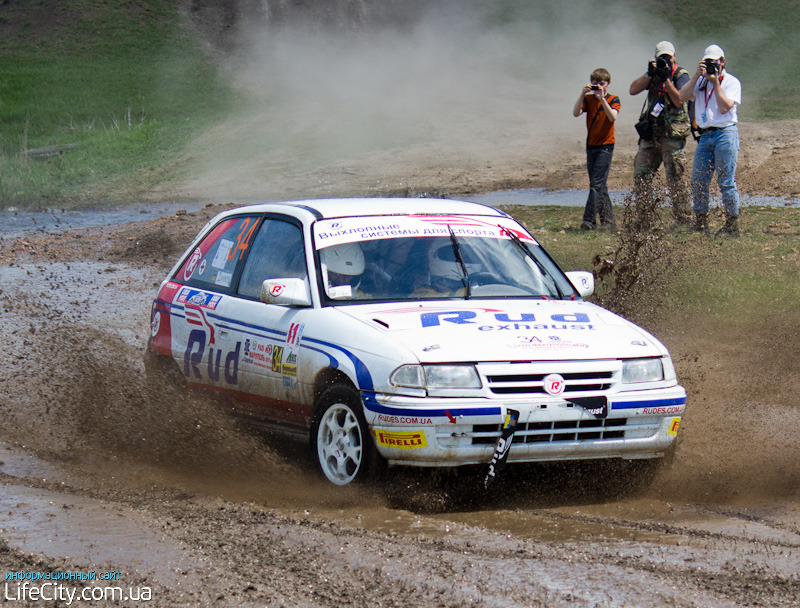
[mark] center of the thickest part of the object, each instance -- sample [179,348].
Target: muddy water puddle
[33,520]
[636,521]
[86,530]
[66,525]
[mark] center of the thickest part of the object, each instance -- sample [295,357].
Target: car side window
[214,261]
[277,253]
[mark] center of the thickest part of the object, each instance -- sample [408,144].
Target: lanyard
[706,93]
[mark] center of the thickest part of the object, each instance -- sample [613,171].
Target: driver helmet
[347,259]
[442,261]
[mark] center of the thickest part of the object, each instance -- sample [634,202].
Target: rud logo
[192,264]
[554,384]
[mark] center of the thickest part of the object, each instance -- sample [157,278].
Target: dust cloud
[356,106]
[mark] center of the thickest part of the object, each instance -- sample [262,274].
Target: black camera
[663,66]
[712,66]
[595,87]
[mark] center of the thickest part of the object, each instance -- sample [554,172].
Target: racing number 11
[243,239]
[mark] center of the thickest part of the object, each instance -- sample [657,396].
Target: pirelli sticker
[674,425]
[402,440]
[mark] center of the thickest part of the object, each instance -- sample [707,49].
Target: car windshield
[432,257]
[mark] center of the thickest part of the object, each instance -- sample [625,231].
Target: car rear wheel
[341,443]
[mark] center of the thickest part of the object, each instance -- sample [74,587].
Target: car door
[268,335]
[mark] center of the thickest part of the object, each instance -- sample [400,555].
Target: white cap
[713,52]
[665,48]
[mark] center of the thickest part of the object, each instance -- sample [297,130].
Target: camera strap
[591,124]
[708,93]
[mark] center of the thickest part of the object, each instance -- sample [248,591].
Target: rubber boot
[701,221]
[731,226]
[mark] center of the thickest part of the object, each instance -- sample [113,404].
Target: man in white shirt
[717,95]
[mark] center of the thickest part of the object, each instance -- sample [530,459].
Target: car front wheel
[341,442]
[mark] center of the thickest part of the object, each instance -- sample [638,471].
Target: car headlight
[643,370]
[436,376]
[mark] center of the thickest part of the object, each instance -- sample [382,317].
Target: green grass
[731,280]
[128,89]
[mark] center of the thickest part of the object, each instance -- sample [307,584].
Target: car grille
[559,430]
[527,378]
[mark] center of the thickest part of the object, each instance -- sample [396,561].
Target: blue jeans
[717,150]
[598,162]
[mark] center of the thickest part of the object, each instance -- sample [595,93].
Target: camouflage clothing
[668,145]
[673,119]
[647,161]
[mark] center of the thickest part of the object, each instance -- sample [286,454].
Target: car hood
[491,330]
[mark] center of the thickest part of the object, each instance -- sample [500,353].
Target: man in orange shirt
[601,109]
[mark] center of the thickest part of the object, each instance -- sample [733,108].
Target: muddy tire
[341,444]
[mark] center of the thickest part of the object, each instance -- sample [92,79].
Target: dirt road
[96,474]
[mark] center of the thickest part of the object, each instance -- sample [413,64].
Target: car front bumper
[451,431]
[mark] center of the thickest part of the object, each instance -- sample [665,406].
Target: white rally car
[416,332]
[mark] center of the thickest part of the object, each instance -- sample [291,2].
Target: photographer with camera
[717,95]
[601,110]
[663,127]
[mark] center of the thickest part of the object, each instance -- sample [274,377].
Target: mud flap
[502,448]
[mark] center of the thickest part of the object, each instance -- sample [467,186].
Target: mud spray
[75,393]
[738,439]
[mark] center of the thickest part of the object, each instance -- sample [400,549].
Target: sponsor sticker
[366,228]
[257,353]
[221,258]
[277,358]
[199,298]
[294,333]
[674,425]
[223,279]
[662,410]
[415,420]
[403,440]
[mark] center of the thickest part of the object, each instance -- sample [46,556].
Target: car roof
[355,207]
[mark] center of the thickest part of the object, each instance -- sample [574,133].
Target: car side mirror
[582,281]
[285,292]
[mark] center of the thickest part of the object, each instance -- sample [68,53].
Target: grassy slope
[122,81]
[130,86]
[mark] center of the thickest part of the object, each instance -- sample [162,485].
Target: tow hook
[502,448]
